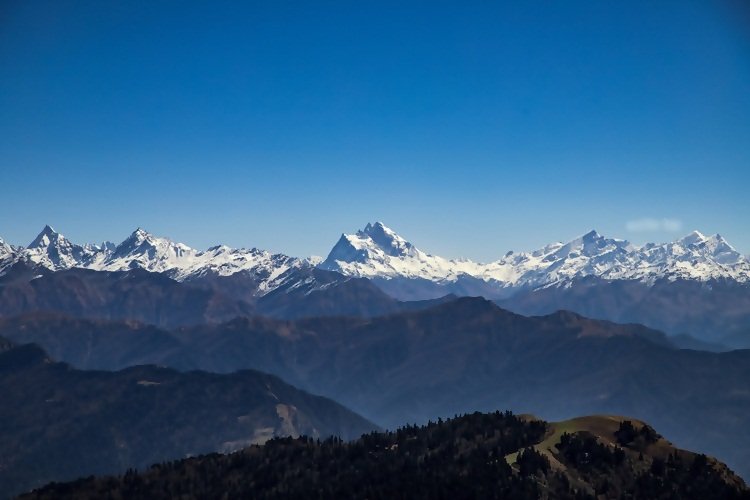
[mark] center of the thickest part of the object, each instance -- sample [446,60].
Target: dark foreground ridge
[495,455]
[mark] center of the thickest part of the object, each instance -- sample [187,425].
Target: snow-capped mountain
[5,249]
[378,252]
[8,255]
[54,251]
[142,250]
[181,262]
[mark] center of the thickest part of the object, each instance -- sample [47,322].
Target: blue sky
[472,129]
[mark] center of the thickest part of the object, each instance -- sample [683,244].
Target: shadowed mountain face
[61,423]
[156,299]
[135,295]
[464,355]
[495,455]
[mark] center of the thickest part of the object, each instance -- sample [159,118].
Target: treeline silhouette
[463,457]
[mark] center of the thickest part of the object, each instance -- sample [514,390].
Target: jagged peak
[105,246]
[386,239]
[45,237]
[6,249]
[378,227]
[376,240]
[314,260]
[693,238]
[140,238]
[140,234]
[589,245]
[718,239]
[592,235]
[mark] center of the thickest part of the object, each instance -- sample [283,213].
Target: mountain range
[592,326]
[378,252]
[697,286]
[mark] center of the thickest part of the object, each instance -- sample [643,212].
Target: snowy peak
[378,252]
[7,254]
[4,247]
[591,244]
[106,246]
[592,235]
[376,243]
[695,254]
[142,249]
[44,238]
[386,240]
[346,249]
[693,238]
[53,251]
[137,238]
[720,250]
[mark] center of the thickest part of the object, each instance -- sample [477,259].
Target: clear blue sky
[471,128]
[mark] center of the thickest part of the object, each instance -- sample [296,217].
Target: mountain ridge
[378,252]
[698,277]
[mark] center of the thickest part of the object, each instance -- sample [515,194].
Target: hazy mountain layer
[61,423]
[460,356]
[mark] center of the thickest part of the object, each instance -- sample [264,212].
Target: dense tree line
[463,457]
[615,473]
[628,435]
